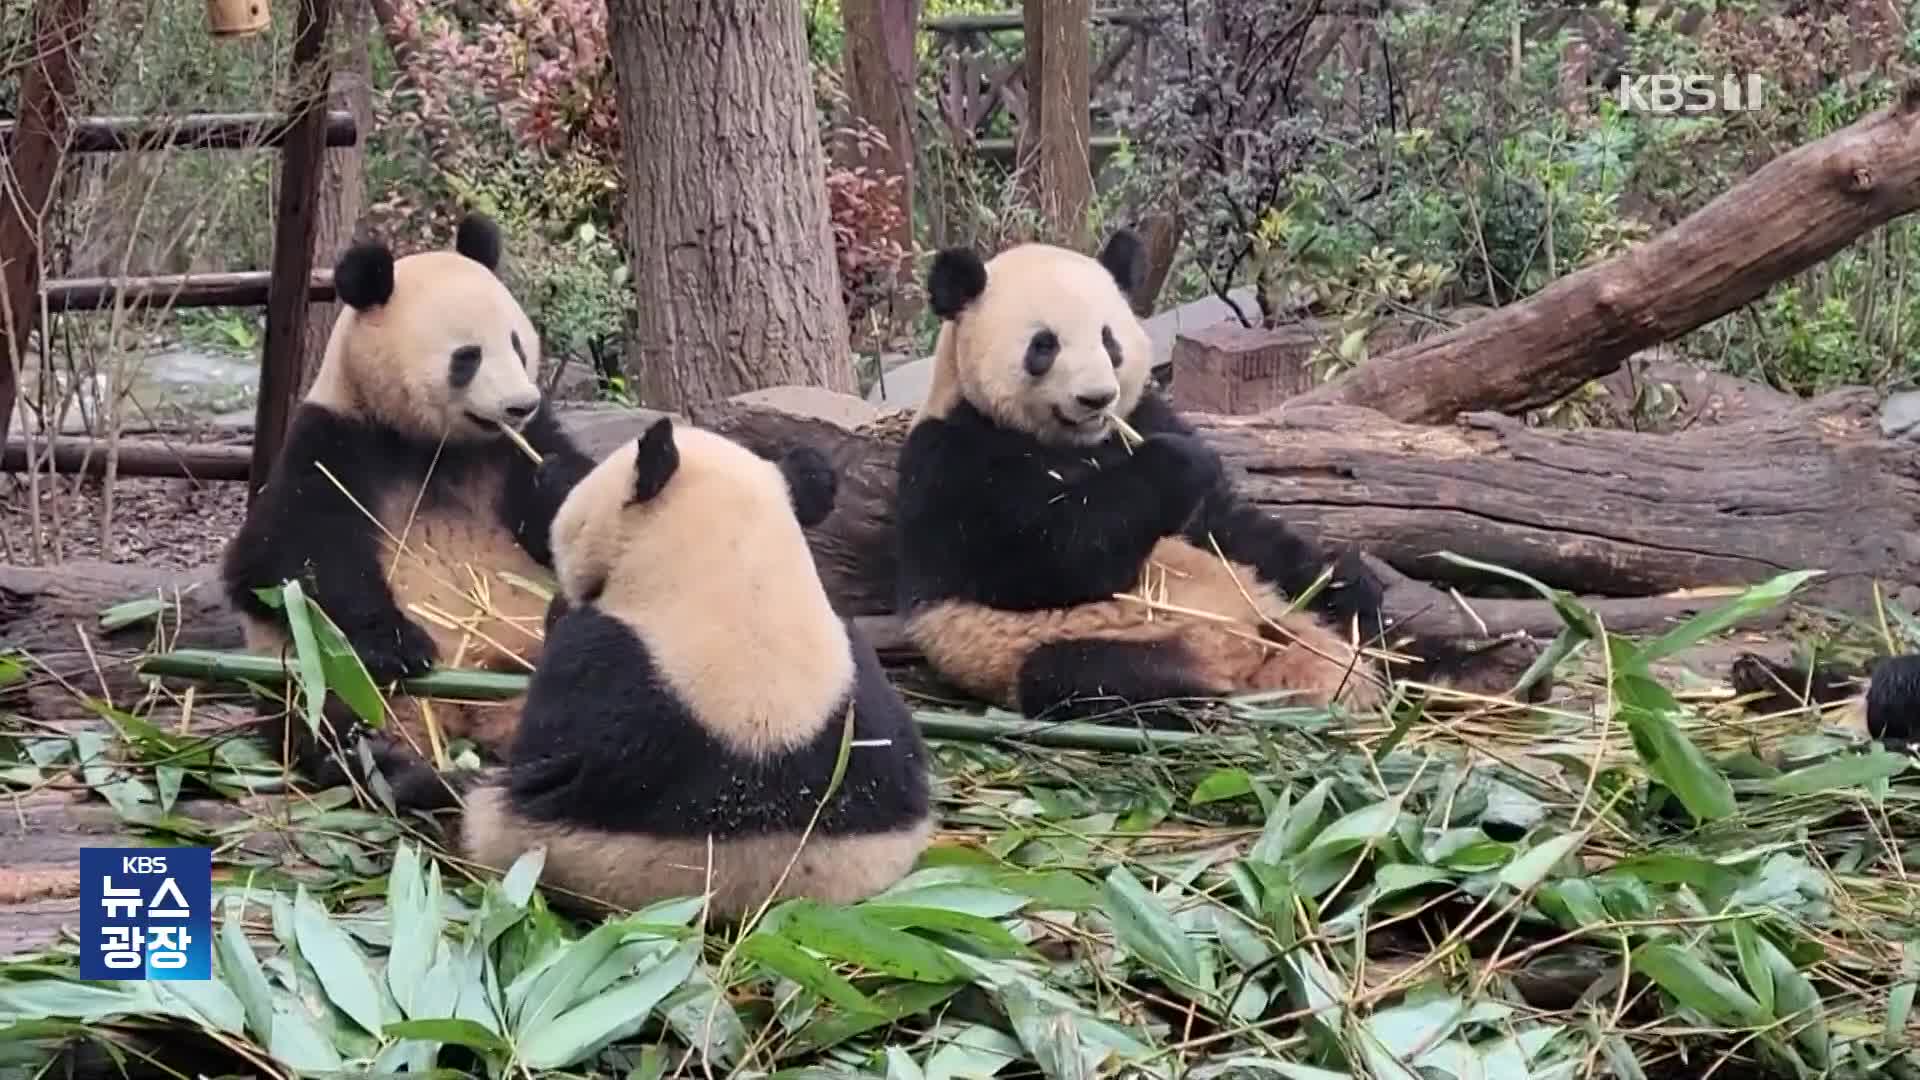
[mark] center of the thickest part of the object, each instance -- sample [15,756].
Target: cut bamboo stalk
[215,666]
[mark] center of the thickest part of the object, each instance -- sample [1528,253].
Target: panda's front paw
[555,477]
[395,650]
[1182,466]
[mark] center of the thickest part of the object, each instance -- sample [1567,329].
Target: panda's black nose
[520,412]
[1097,400]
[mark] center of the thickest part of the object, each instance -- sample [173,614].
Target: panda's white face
[1050,346]
[433,344]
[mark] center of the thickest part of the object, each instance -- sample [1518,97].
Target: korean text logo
[146,913]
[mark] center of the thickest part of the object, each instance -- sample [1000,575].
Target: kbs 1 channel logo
[146,913]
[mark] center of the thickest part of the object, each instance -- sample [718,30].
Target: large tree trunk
[342,187]
[1794,212]
[727,222]
[1054,142]
[880,86]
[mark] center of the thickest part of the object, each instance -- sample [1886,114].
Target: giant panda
[1021,512]
[696,685]
[1889,707]
[399,442]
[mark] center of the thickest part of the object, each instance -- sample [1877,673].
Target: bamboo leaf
[1148,930]
[458,1032]
[346,675]
[1900,1001]
[1795,1000]
[783,957]
[1222,784]
[338,963]
[1532,867]
[416,927]
[242,969]
[125,614]
[553,988]
[1369,824]
[1707,623]
[580,1032]
[1668,754]
[1753,965]
[849,935]
[207,1001]
[297,1042]
[522,876]
[313,680]
[1853,770]
[1689,981]
[1570,611]
[996,939]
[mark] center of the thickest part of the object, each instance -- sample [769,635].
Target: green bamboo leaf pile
[1270,902]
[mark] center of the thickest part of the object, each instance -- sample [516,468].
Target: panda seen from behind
[400,505]
[1021,512]
[697,684]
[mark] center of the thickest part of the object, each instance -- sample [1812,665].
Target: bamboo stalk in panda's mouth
[1129,438]
[520,441]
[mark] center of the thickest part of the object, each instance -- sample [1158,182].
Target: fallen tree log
[144,457]
[1793,212]
[1593,512]
[1615,518]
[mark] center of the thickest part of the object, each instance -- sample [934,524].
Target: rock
[841,410]
[1654,392]
[905,387]
[1194,316]
[1234,370]
[1900,416]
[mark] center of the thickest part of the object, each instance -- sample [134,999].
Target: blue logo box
[146,913]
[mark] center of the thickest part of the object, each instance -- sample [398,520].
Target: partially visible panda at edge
[429,356]
[697,682]
[1020,513]
[1888,709]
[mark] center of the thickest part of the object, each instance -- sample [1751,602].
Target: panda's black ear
[956,279]
[655,462]
[1125,258]
[478,238]
[812,482]
[363,278]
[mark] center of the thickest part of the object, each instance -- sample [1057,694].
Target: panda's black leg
[1488,669]
[331,757]
[1893,700]
[1784,686]
[1083,680]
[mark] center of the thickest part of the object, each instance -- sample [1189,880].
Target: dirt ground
[156,522]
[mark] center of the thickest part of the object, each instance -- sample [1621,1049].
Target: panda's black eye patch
[466,364]
[1112,343]
[1041,352]
[518,350]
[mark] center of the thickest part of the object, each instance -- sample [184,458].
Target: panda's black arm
[303,527]
[598,732]
[1250,535]
[534,493]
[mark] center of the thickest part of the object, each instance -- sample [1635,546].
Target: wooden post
[32,162]
[293,240]
[1054,134]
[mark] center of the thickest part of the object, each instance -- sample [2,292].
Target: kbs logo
[146,913]
[1690,93]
